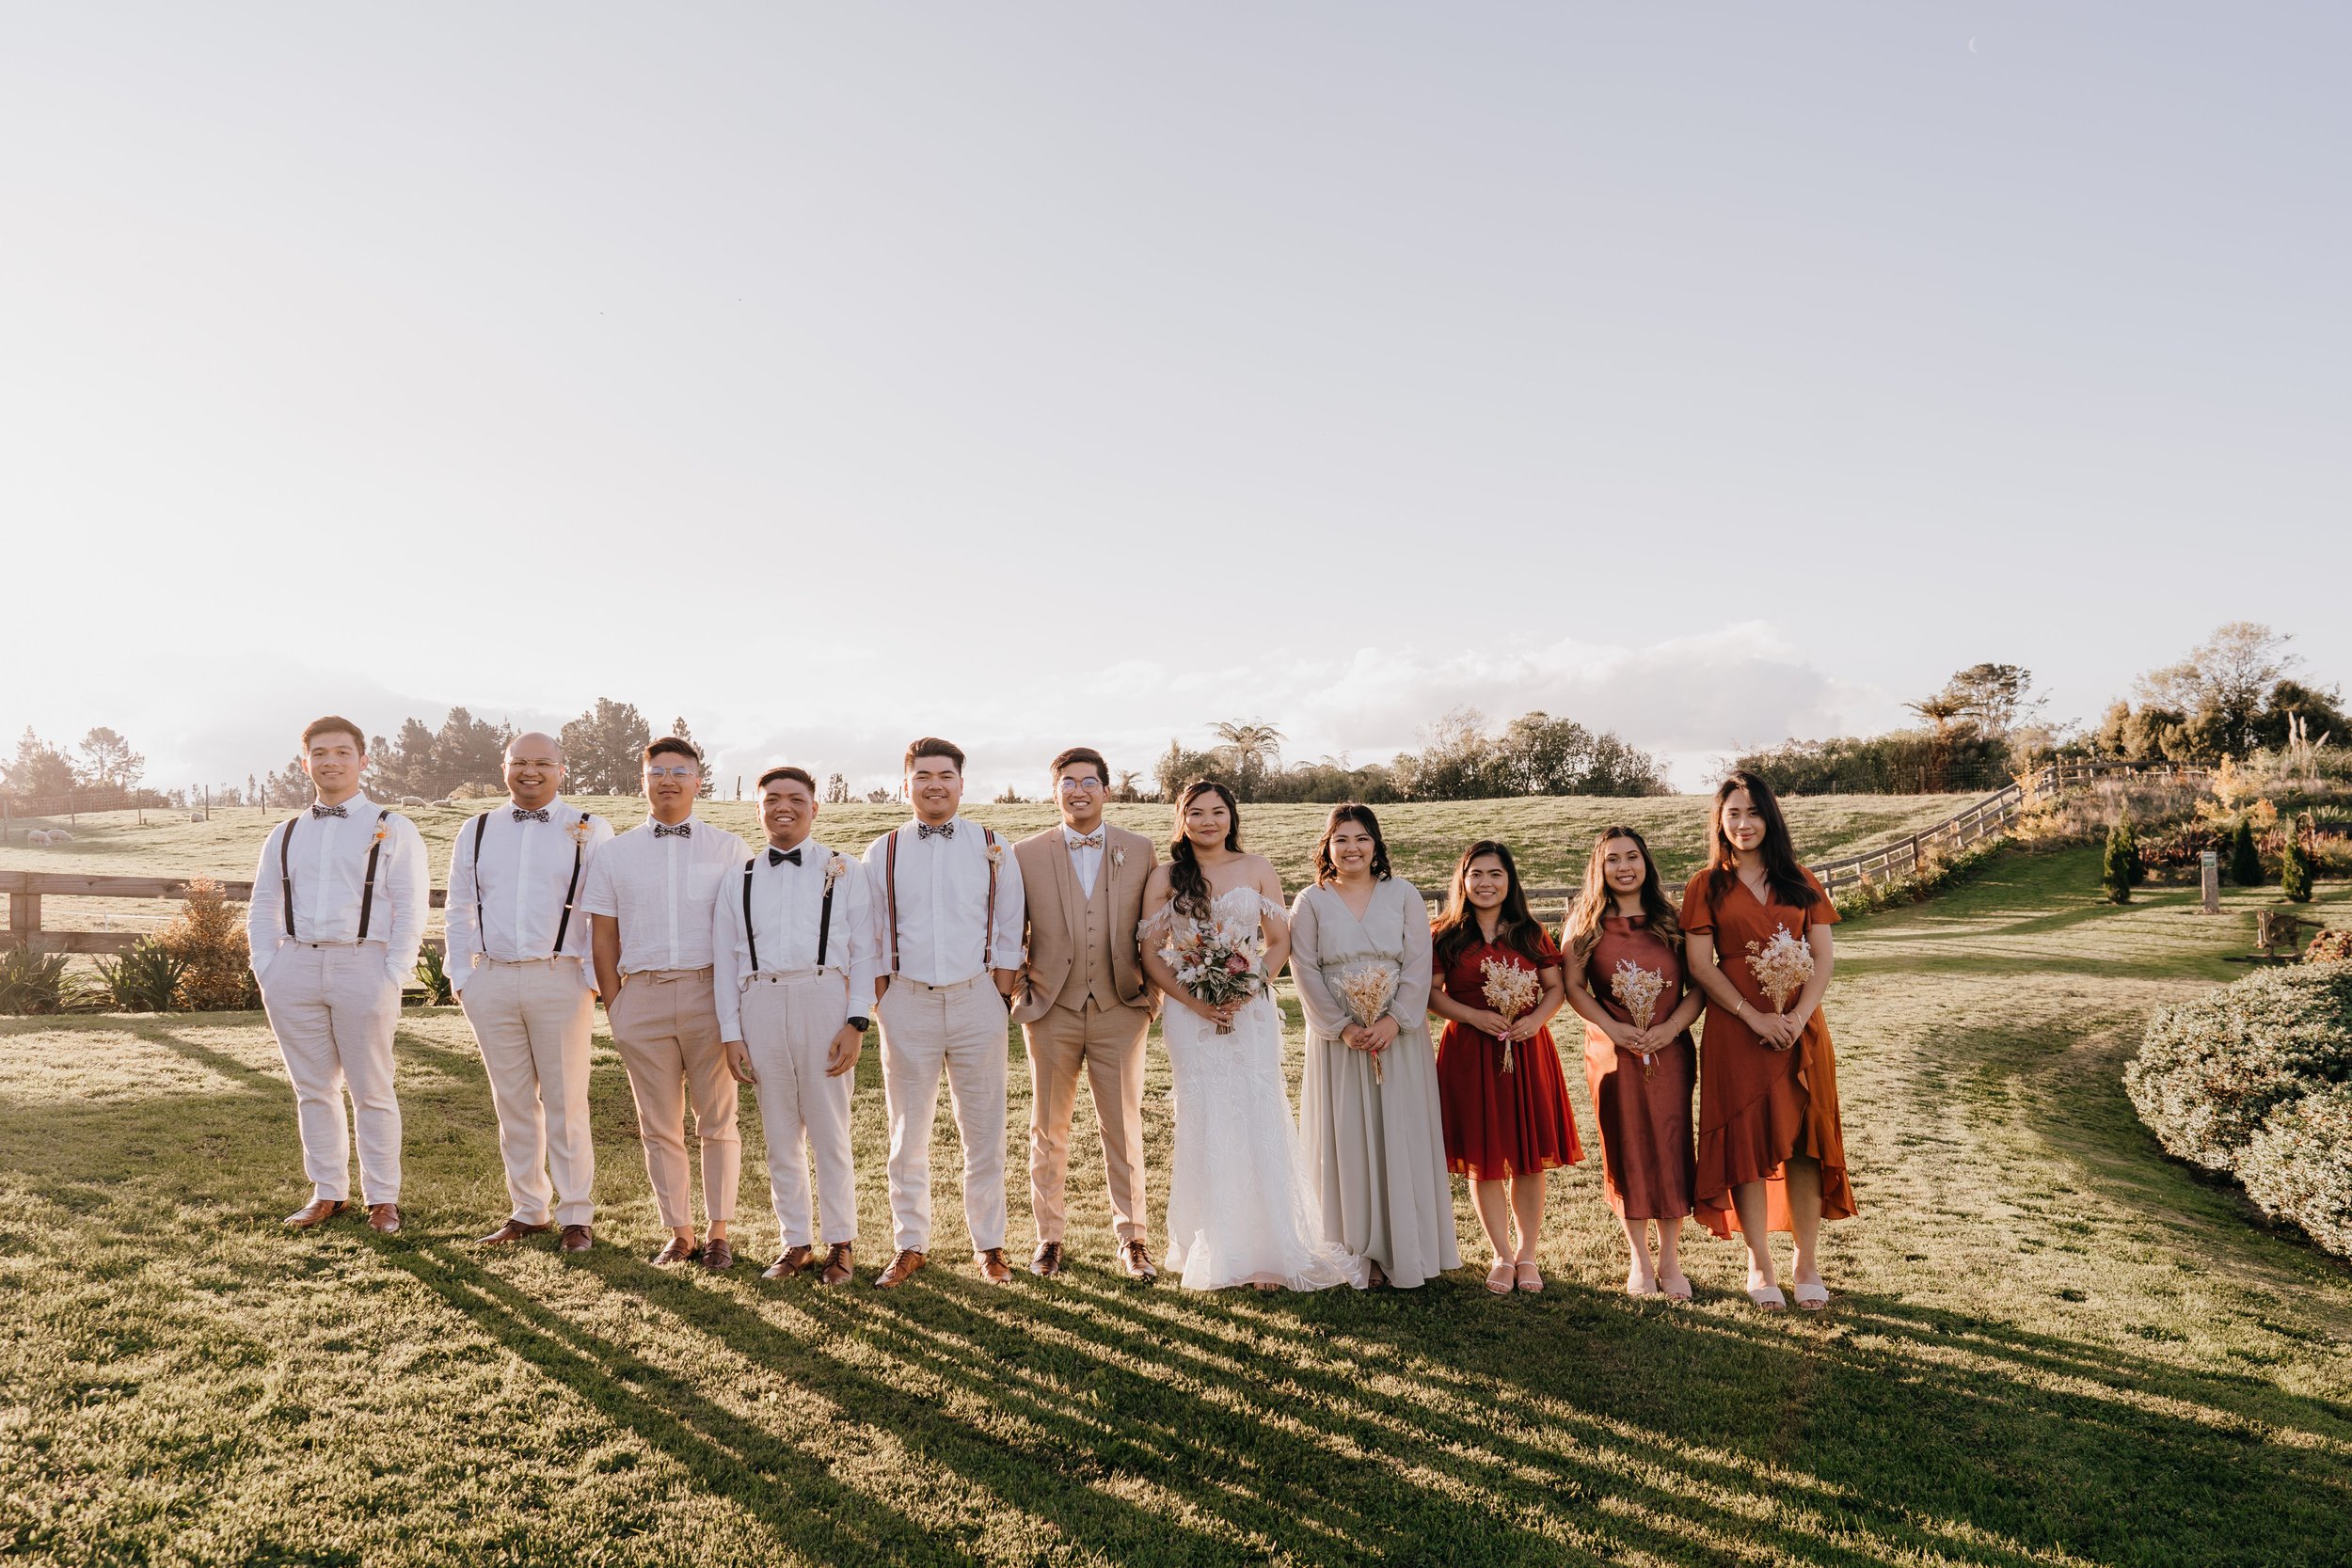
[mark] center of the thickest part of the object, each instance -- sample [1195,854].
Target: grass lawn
[2050,1346]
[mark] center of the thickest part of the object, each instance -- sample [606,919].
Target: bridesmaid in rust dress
[1771,1152]
[1624,979]
[1504,1127]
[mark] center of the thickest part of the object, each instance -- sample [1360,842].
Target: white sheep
[414,801]
[58,835]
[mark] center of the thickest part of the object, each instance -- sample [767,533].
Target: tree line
[1464,757]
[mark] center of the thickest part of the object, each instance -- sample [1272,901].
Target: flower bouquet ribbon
[1511,990]
[1637,990]
[1367,988]
[1217,960]
[1782,965]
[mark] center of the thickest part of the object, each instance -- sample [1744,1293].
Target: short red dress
[1501,1124]
[1759,1108]
[1644,1118]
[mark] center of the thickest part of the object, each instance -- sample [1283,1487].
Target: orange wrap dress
[1759,1108]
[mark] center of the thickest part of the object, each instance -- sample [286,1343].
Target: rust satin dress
[1759,1108]
[1501,1124]
[1645,1121]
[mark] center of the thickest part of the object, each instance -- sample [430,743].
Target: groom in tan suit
[1085,1002]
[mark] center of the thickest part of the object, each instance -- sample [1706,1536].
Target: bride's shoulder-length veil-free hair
[1187,882]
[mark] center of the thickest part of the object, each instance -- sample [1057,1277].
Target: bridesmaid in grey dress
[1368,1113]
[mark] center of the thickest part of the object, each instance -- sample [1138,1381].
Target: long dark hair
[1784,878]
[1185,879]
[1582,933]
[1515,927]
[1326,871]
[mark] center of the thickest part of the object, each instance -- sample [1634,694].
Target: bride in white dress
[1240,1209]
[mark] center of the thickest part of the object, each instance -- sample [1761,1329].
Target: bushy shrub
[145,979]
[31,982]
[2329,948]
[2120,870]
[2295,868]
[2298,1166]
[208,937]
[2246,861]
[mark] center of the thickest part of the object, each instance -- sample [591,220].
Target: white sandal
[1769,1298]
[1812,1297]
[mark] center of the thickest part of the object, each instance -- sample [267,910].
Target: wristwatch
[863,1023]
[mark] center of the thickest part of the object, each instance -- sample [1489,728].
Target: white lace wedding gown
[1240,1209]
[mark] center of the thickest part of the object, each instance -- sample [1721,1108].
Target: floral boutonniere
[581,830]
[996,852]
[1119,857]
[836,868]
[383,832]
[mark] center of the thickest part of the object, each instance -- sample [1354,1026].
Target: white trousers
[332,1007]
[958,1030]
[788,1028]
[533,1022]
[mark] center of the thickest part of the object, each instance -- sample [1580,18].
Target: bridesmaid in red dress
[1501,1127]
[1772,1152]
[1622,937]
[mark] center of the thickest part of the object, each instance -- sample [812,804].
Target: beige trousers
[1108,1043]
[958,1030]
[665,1023]
[533,1022]
[788,1026]
[332,1007]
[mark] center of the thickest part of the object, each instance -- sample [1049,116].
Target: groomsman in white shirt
[333,929]
[650,897]
[519,961]
[795,952]
[950,896]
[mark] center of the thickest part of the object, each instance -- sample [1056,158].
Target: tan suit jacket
[1055,912]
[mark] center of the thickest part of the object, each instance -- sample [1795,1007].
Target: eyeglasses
[652,772]
[1085,780]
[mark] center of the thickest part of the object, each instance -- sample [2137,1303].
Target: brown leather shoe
[1046,1263]
[903,1267]
[578,1238]
[510,1232]
[991,1265]
[674,1252]
[1136,1259]
[794,1259]
[384,1219]
[317,1211]
[838,1269]
[717,1254]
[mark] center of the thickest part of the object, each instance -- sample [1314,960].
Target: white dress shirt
[511,913]
[787,909]
[661,891]
[328,864]
[1087,863]
[942,903]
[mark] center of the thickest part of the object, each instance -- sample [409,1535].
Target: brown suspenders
[890,888]
[285,873]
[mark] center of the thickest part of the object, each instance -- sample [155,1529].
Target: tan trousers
[789,1028]
[958,1030]
[665,1024]
[533,1022]
[333,1008]
[1108,1043]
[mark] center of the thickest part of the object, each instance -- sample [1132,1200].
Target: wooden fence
[25,889]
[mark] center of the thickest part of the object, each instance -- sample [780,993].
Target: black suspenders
[367,892]
[571,889]
[751,933]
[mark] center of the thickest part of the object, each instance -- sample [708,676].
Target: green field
[2050,1344]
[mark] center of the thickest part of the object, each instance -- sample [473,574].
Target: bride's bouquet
[1636,990]
[1215,959]
[1367,988]
[1781,965]
[1511,990]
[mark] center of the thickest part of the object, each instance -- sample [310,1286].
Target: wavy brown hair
[1455,932]
[1783,877]
[1185,879]
[1581,932]
[1326,872]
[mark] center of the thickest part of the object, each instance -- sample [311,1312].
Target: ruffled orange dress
[1759,1108]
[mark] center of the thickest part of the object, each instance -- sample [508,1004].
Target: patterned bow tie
[522,816]
[1091,841]
[924,830]
[777,857]
[682,829]
[329,811]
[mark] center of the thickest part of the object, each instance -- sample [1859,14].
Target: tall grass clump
[31,982]
[145,979]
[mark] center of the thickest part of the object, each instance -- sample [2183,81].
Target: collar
[646,827]
[554,805]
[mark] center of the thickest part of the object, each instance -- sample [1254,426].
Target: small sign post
[2209,868]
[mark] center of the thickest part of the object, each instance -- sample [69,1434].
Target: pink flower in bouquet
[1236,963]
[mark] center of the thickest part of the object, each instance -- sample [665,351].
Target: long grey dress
[1375,1148]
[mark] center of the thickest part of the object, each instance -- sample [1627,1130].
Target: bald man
[517,961]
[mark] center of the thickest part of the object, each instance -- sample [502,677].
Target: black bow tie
[329,811]
[924,830]
[682,829]
[522,816]
[777,857]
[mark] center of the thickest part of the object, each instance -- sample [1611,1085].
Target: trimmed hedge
[2255,1081]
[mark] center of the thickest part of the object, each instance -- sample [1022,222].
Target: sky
[1040,374]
